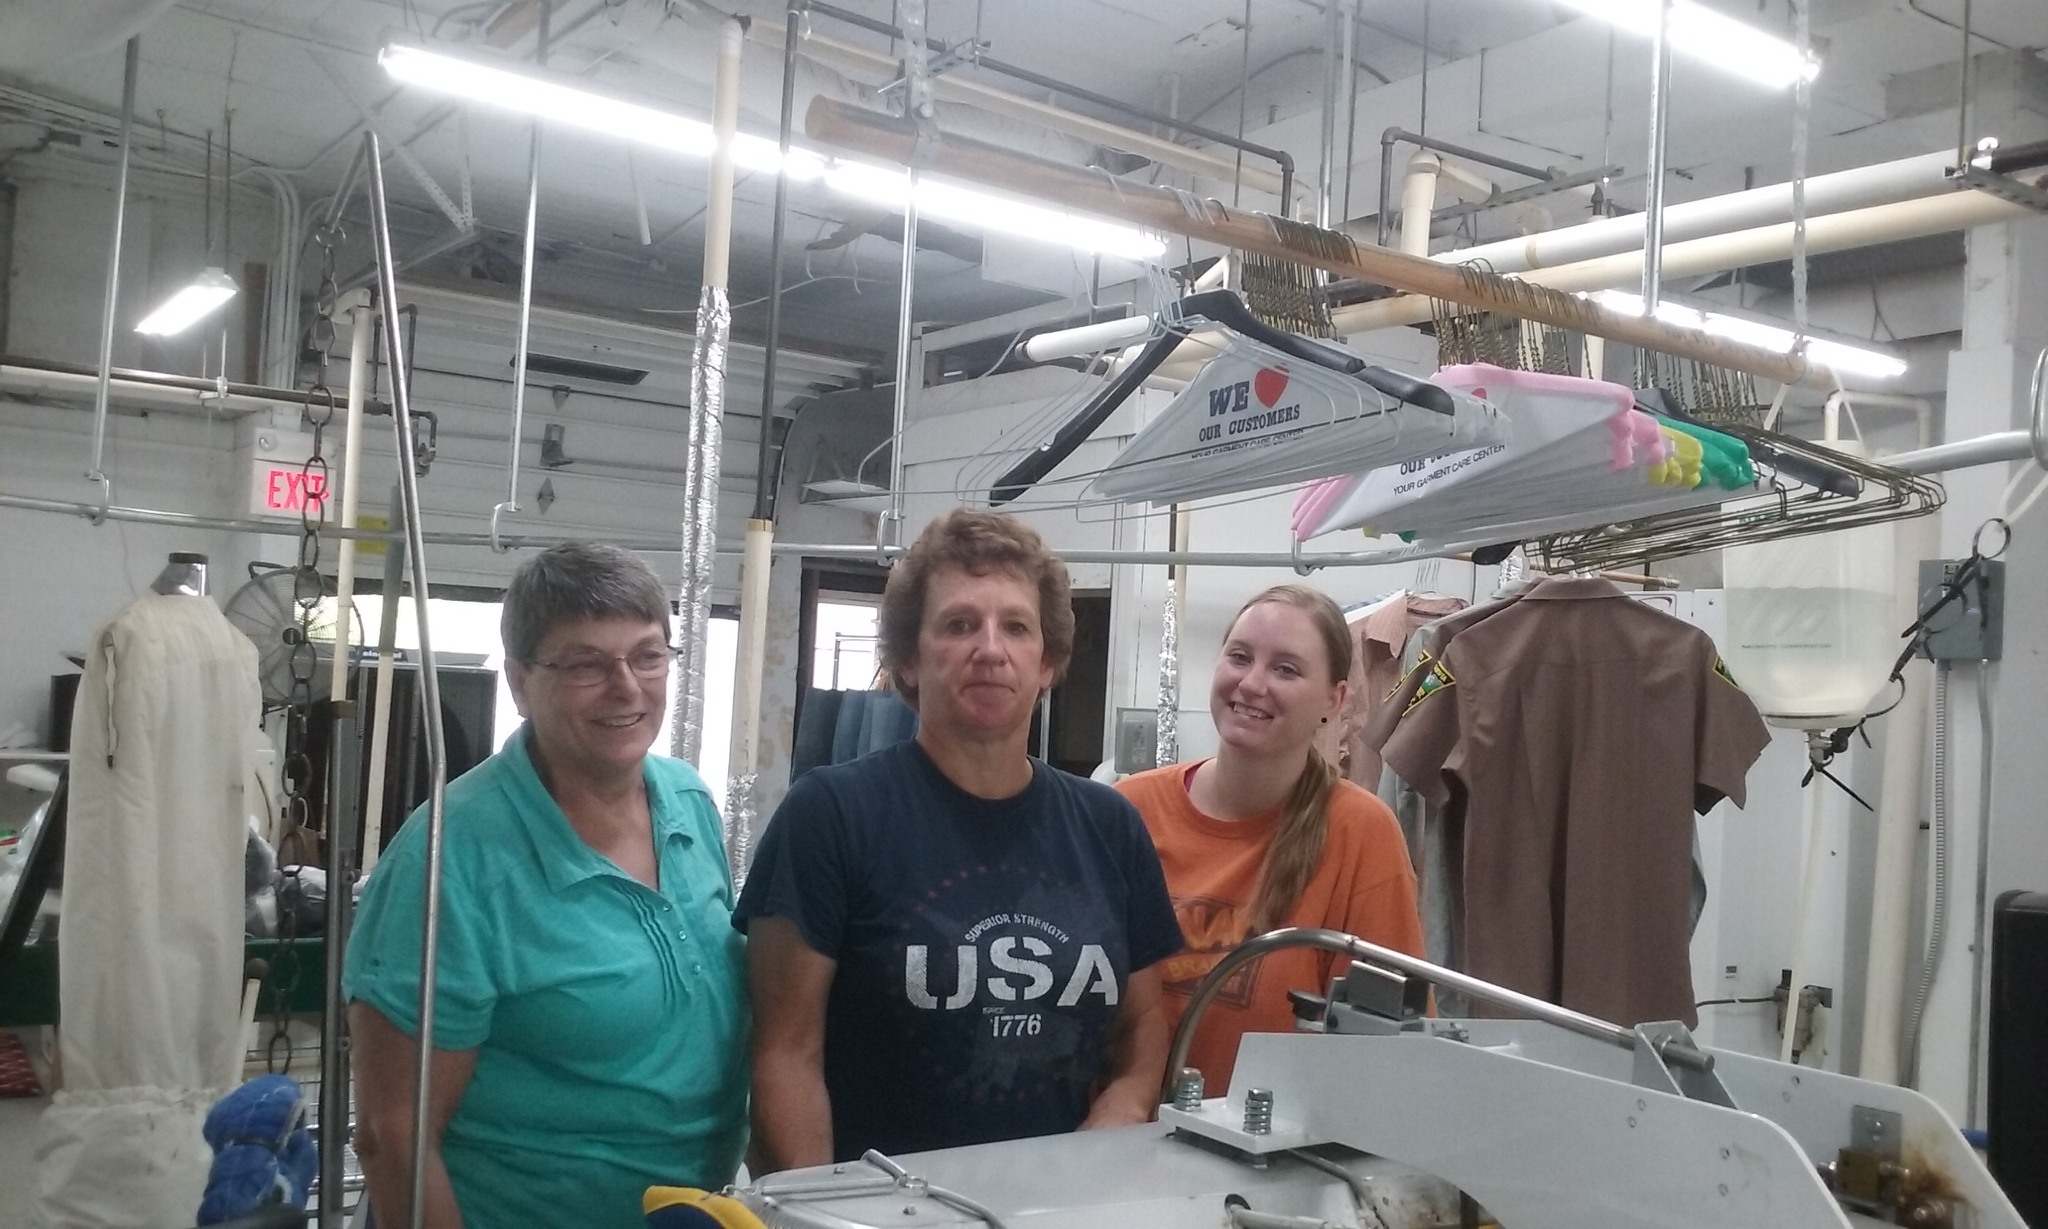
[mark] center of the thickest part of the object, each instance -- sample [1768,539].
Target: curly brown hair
[976,543]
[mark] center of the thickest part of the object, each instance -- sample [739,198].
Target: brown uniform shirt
[1573,733]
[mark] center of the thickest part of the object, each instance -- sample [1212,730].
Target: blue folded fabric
[262,1154]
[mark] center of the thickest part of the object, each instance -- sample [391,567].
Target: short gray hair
[578,580]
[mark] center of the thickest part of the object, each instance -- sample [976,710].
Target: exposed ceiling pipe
[1833,233]
[1418,202]
[1179,213]
[953,87]
[1879,184]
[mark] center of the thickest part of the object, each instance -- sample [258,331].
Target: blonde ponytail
[1297,847]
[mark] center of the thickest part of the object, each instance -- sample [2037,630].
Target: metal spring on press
[1258,1111]
[1188,1090]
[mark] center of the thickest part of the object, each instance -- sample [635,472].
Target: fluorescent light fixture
[1705,34]
[537,96]
[528,94]
[1843,358]
[191,305]
[975,208]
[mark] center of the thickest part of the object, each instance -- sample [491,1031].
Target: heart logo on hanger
[1268,385]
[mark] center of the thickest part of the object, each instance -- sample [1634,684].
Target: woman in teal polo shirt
[590,1029]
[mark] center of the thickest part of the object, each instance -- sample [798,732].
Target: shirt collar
[565,859]
[1572,588]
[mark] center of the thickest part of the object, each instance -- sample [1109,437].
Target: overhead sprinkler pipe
[878,135]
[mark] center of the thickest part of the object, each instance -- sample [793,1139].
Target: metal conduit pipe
[96,471]
[30,376]
[1302,561]
[1832,233]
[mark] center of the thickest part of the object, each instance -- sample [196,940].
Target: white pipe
[724,119]
[1418,201]
[1881,184]
[1809,888]
[1833,233]
[1087,338]
[1095,338]
[1463,182]
[361,321]
[748,684]
[1901,807]
[73,386]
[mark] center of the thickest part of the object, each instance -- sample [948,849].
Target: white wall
[64,577]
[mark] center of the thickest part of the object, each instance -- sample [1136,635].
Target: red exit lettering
[290,490]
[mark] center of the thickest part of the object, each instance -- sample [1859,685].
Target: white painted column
[2005,321]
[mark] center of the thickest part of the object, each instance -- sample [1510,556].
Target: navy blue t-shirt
[983,947]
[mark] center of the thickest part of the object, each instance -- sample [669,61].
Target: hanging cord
[1916,645]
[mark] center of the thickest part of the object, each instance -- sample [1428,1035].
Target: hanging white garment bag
[150,953]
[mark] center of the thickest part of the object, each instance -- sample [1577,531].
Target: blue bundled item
[262,1154]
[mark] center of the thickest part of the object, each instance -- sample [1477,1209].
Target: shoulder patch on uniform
[1721,669]
[1438,679]
[1423,661]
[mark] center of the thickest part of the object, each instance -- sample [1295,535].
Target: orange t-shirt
[1364,887]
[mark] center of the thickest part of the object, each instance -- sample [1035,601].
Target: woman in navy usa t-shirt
[950,942]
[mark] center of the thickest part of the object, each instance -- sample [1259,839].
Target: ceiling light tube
[1842,357]
[1714,37]
[189,306]
[529,94]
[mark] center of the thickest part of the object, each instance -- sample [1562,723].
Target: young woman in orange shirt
[1267,834]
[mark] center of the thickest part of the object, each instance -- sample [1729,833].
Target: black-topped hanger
[1220,307]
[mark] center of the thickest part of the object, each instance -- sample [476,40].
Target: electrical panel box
[1971,626]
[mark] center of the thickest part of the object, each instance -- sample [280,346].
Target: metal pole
[756,565]
[131,68]
[334,1069]
[430,683]
[1372,953]
[764,493]
[1653,192]
[521,348]
[1333,53]
[922,112]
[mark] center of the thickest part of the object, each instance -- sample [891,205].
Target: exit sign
[282,487]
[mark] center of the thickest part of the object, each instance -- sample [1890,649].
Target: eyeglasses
[590,669]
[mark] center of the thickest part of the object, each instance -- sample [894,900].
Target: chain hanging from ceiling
[302,784]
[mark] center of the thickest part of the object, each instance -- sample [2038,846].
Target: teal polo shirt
[609,1018]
